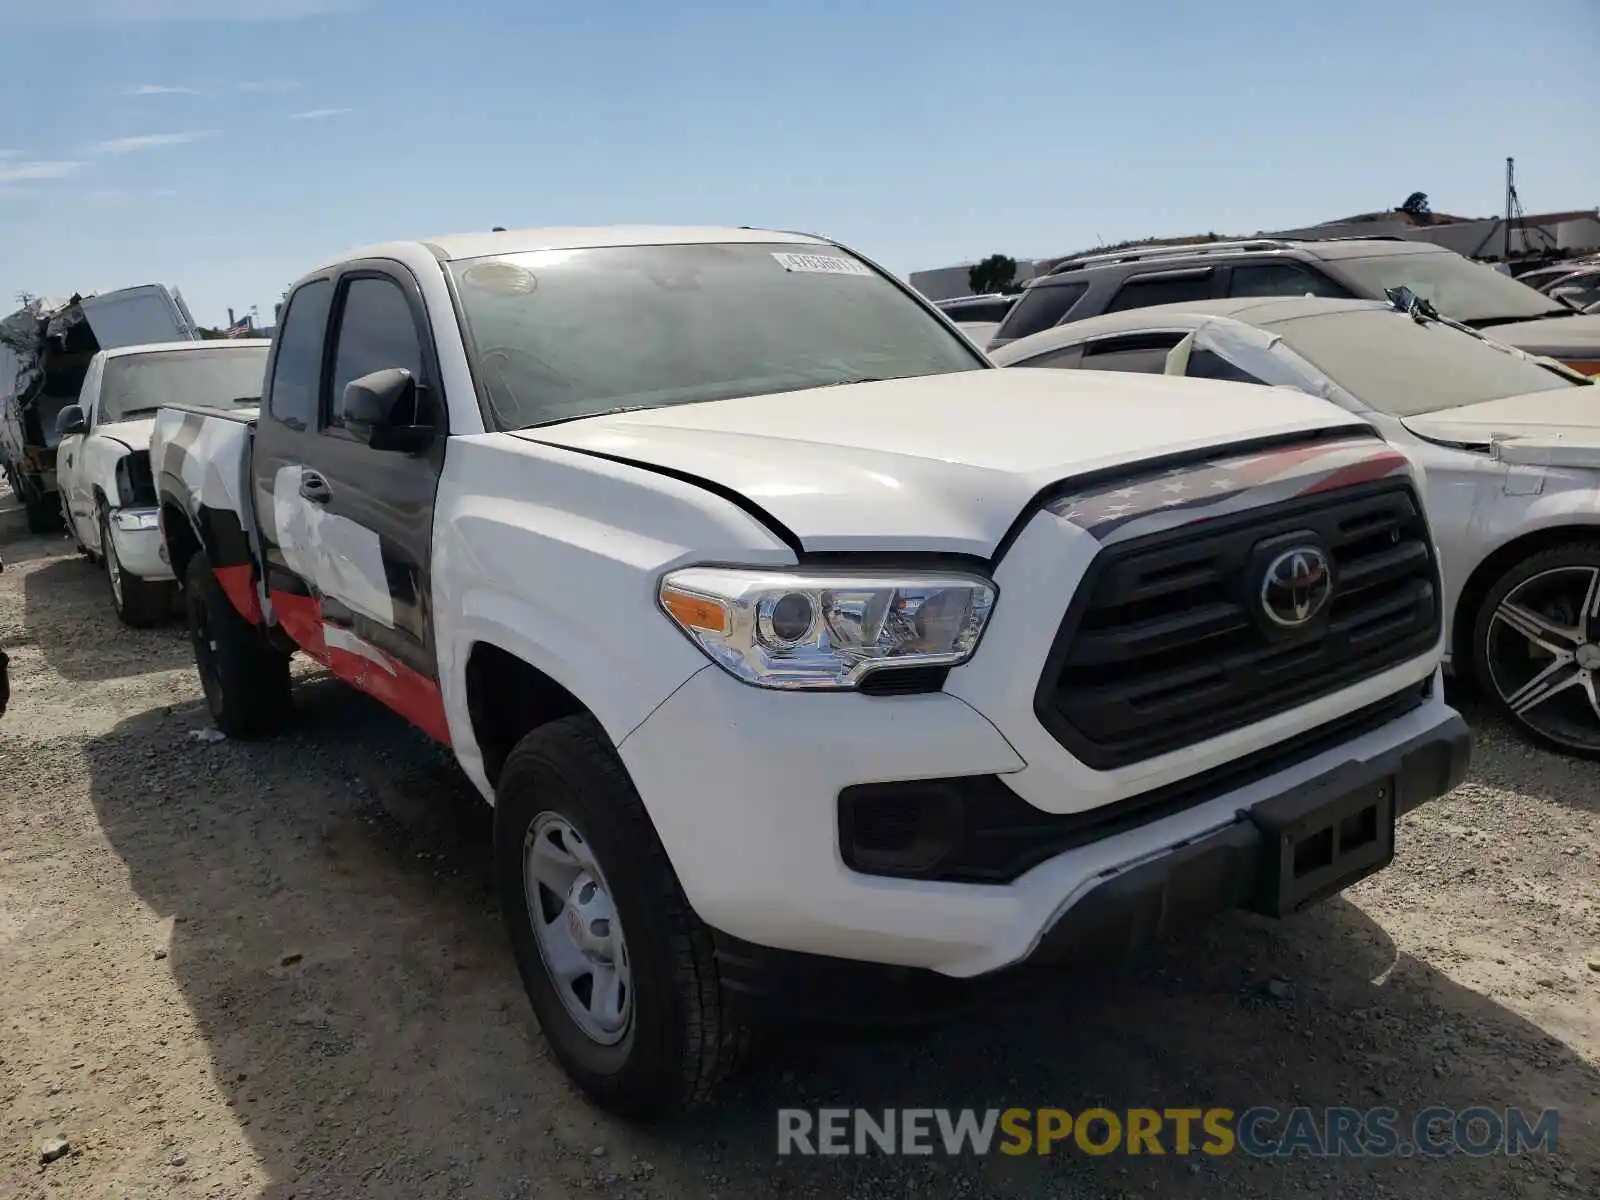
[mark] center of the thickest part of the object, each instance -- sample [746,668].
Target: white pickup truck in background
[806,658]
[108,498]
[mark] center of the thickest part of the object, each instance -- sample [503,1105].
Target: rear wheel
[43,514]
[618,968]
[245,677]
[139,602]
[1536,647]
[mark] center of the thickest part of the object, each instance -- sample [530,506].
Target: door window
[1144,353]
[1282,279]
[1170,288]
[1208,364]
[1068,356]
[377,332]
[297,369]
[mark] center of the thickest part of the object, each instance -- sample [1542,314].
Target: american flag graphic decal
[1141,505]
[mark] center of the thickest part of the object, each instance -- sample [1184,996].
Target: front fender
[621,683]
[98,473]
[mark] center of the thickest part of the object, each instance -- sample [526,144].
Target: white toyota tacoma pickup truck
[797,648]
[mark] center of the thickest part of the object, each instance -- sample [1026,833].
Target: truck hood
[135,434]
[1570,339]
[1554,428]
[939,463]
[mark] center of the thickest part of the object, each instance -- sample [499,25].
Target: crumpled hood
[1574,338]
[135,434]
[940,463]
[1555,428]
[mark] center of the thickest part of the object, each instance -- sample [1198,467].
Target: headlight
[130,519]
[826,629]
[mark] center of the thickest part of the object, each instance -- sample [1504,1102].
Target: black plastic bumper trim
[1121,919]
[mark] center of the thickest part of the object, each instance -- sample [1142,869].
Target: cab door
[72,473]
[352,526]
[375,520]
[290,399]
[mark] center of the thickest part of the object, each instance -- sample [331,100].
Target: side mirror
[382,409]
[70,421]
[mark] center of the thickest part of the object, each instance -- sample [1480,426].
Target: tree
[1416,205]
[997,273]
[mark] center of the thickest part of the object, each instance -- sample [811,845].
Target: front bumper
[742,785]
[136,534]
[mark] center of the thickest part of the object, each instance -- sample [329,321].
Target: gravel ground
[276,970]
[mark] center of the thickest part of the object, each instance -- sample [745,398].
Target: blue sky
[225,152]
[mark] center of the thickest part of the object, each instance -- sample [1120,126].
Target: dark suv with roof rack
[1365,268]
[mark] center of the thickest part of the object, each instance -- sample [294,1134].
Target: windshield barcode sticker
[820,264]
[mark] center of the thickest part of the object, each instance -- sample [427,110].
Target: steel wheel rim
[113,567]
[1542,651]
[576,929]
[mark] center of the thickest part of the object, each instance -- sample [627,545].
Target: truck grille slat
[1167,643]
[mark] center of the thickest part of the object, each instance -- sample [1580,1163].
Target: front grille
[1165,644]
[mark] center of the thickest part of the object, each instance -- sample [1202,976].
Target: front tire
[618,968]
[245,677]
[1536,648]
[139,602]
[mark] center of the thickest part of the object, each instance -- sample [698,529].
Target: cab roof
[202,344]
[456,246]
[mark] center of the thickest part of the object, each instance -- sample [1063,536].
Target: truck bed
[200,460]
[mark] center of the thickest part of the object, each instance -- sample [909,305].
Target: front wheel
[619,970]
[1536,647]
[245,677]
[139,602]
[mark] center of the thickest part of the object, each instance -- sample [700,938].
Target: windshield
[560,334]
[220,376]
[1397,366]
[1456,286]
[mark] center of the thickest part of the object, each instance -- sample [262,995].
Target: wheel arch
[181,537]
[1495,564]
[507,697]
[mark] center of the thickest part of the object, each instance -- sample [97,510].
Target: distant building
[946,283]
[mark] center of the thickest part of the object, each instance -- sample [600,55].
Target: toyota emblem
[1296,587]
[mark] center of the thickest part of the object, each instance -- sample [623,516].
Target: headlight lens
[825,630]
[130,519]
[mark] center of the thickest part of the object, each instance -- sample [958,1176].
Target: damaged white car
[108,495]
[1510,444]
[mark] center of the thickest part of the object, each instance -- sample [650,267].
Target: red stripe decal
[239,585]
[415,697]
[301,618]
[1367,470]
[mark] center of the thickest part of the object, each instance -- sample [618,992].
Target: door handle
[314,487]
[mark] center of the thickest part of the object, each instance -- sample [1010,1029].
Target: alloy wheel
[1542,650]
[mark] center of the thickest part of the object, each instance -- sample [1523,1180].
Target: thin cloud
[319,114]
[270,85]
[96,12]
[160,89]
[18,170]
[150,141]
